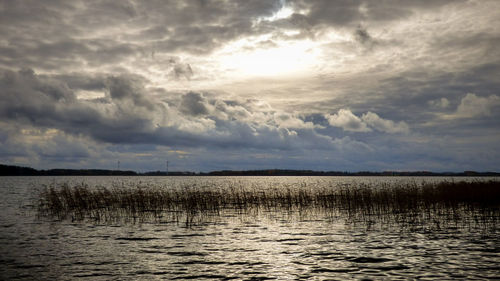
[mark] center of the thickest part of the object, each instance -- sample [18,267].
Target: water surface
[260,247]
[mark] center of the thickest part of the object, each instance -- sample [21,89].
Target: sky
[340,85]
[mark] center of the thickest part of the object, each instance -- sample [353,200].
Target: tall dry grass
[448,203]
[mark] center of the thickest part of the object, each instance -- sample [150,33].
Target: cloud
[101,35]
[474,106]
[475,109]
[127,114]
[345,12]
[194,104]
[346,120]
[60,36]
[128,88]
[384,125]
[140,76]
[32,146]
[183,70]
[440,103]
[362,36]
[50,103]
[286,120]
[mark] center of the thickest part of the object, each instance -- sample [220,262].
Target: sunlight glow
[89,95]
[283,13]
[274,58]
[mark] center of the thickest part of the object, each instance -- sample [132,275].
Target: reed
[446,203]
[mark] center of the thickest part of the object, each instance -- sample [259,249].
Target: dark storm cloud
[348,12]
[408,94]
[126,116]
[51,103]
[78,81]
[52,35]
[449,65]
[69,53]
[45,35]
[362,35]
[61,148]
[128,88]
[406,78]
[193,104]
[201,26]
[178,68]
[364,38]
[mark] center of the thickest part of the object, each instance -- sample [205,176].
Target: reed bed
[441,204]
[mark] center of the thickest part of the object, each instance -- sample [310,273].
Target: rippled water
[263,247]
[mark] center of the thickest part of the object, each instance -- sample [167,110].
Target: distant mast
[167,167]
[118,165]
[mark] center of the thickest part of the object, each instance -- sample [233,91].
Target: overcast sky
[209,85]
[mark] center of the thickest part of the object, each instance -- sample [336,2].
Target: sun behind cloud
[330,85]
[261,57]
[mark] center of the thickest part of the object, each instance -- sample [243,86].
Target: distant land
[8,170]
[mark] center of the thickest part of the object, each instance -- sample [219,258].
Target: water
[260,247]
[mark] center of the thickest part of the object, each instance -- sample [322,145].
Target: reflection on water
[265,247]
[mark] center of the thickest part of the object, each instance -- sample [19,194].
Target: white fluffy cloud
[384,125]
[475,106]
[368,122]
[346,120]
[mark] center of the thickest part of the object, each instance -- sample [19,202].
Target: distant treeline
[7,170]
[278,172]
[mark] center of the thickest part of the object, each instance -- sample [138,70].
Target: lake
[255,246]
